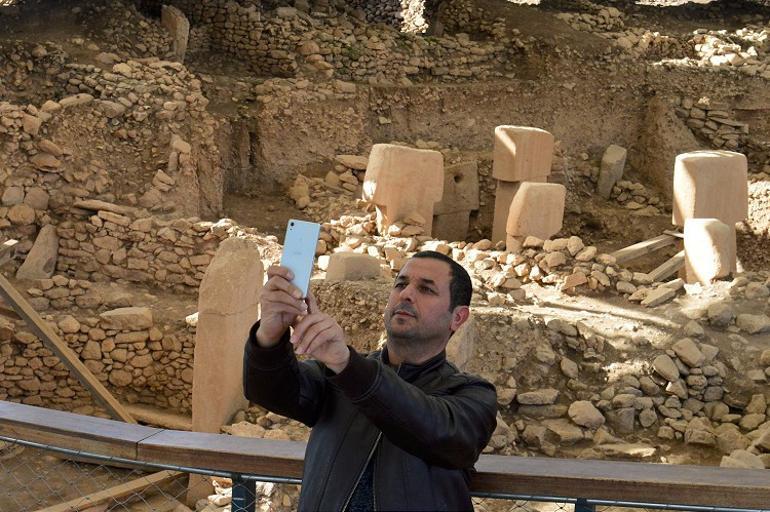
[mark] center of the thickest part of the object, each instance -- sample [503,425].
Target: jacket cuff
[358,378]
[267,358]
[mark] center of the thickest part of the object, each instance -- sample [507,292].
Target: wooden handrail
[606,480]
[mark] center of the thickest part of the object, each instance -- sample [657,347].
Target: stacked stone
[169,254]
[123,348]
[637,198]
[61,292]
[713,121]
[287,41]
[608,19]
[713,49]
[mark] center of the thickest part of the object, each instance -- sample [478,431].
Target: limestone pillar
[521,153]
[537,210]
[227,308]
[709,250]
[451,215]
[711,185]
[178,26]
[611,170]
[402,181]
[40,262]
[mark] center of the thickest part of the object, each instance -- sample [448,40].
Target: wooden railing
[597,480]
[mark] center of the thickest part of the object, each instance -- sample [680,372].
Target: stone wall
[332,41]
[170,254]
[137,359]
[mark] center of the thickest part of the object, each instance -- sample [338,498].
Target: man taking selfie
[397,429]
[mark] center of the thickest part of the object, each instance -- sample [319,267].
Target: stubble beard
[413,341]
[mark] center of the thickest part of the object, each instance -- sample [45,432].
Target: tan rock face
[522,153]
[710,184]
[709,249]
[537,210]
[351,266]
[401,181]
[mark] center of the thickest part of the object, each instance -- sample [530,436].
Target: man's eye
[426,289]
[399,285]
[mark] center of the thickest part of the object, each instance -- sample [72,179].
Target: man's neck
[398,355]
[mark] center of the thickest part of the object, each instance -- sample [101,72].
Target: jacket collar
[410,372]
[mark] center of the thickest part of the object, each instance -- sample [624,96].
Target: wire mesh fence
[35,477]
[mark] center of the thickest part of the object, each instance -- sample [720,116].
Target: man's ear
[459,316]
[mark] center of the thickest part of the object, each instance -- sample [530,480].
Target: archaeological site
[601,168]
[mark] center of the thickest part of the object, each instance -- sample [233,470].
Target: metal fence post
[582,505]
[244,494]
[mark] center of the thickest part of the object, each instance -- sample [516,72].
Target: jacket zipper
[361,474]
[374,470]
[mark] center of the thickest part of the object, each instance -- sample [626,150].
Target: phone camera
[291,224]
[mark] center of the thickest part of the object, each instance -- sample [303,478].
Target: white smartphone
[299,250]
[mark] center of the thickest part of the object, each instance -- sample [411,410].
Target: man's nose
[407,293]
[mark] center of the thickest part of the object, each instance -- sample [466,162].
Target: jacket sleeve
[276,380]
[448,430]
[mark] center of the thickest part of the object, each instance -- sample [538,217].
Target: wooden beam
[635,251]
[571,478]
[6,249]
[72,431]
[52,342]
[669,268]
[623,481]
[163,481]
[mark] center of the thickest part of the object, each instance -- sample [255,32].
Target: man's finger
[279,307]
[277,270]
[317,334]
[283,284]
[269,298]
[312,303]
[301,328]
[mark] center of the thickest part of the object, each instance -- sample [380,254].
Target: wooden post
[65,354]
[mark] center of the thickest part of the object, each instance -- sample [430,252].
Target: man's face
[418,306]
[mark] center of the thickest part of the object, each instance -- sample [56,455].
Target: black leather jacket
[425,425]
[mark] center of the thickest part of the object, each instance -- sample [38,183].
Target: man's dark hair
[460,287]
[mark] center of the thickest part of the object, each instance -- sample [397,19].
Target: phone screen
[299,251]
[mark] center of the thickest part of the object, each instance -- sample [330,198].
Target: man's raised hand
[321,337]
[280,304]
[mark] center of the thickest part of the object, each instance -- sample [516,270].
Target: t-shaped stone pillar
[537,210]
[521,153]
[401,181]
[711,185]
[709,250]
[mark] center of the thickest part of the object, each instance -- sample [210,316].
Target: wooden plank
[6,250]
[72,431]
[635,251]
[623,481]
[159,418]
[674,233]
[227,453]
[162,480]
[669,268]
[52,342]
